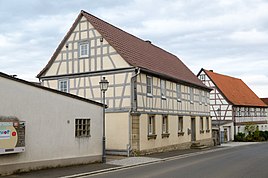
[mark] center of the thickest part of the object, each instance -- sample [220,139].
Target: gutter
[137,71]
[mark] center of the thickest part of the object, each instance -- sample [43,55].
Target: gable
[67,59]
[235,90]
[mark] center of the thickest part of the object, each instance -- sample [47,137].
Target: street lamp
[103,86]
[219,123]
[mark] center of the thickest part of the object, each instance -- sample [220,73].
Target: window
[163,88]
[201,124]
[202,77]
[191,95]
[207,123]
[200,96]
[84,49]
[151,125]
[178,92]
[82,127]
[63,85]
[164,124]
[180,124]
[149,83]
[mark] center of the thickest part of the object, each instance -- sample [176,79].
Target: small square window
[82,127]
[84,49]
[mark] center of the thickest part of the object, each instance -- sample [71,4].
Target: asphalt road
[239,162]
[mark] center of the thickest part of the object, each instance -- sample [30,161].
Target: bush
[240,137]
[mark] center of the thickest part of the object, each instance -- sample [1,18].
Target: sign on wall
[12,137]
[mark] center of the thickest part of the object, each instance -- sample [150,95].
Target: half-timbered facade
[154,101]
[233,104]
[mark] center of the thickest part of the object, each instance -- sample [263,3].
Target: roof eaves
[174,79]
[206,72]
[62,43]
[49,89]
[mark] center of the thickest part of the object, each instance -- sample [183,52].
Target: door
[193,129]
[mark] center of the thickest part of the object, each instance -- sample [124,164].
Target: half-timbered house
[233,104]
[154,101]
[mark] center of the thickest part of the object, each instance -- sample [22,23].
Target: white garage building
[42,127]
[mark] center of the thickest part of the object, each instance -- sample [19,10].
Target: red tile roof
[140,53]
[235,90]
[265,100]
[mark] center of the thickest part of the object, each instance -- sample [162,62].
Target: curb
[220,148]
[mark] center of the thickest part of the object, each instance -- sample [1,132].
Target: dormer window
[84,49]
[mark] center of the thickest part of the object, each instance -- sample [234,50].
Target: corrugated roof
[140,53]
[235,90]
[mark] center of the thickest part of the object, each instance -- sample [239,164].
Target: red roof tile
[235,90]
[140,53]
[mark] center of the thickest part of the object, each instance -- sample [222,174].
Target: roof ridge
[142,40]
[223,75]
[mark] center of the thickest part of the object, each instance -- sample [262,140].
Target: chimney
[211,70]
[148,41]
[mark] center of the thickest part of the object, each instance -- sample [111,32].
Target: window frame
[165,124]
[80,45]
[163,88]
[201,125]
[60,85]
[151,125]
[179,94]
[85,127]
[149,86]
[191,95]
[180,125]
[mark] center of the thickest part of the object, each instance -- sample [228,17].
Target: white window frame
[163,88]
[178,92]
[164,124]
[84,46]
[149,85]
[151,125]
[191,95]
[180,124]
[82,127]
[66,90]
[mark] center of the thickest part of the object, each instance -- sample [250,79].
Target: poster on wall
[12,136]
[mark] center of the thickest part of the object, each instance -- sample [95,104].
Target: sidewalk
[117,162]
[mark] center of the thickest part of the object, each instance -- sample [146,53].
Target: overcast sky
[228,36]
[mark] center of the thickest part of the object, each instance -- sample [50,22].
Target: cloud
[229,36]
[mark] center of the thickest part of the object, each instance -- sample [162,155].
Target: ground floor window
[82,127]
[151,125]
[180,126]
[164,124]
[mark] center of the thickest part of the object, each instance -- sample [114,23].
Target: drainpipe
[137,71]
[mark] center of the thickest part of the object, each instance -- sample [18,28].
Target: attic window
[84,49]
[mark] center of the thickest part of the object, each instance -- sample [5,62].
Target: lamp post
[103,86]
[219,123]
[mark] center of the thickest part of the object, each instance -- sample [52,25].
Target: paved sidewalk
[116,162]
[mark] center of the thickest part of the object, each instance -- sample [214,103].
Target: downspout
[137,71]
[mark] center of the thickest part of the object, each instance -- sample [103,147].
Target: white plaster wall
[49,136]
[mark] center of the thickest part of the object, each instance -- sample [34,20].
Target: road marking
[115,169]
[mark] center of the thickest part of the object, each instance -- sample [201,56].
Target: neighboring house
[46,127]
[154,101]
[233,104]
